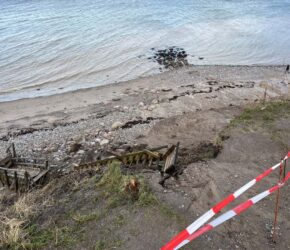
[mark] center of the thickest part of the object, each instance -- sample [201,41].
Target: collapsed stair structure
[21,174]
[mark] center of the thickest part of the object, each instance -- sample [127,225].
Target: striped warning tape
[181,239]
[237,210]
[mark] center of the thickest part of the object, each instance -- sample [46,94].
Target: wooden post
[7,178]
[13,150]
[16,181]
[281,178]
[46,164]
[1,180]
[176,152]
[26,175]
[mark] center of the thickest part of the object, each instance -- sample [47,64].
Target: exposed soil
[84,217]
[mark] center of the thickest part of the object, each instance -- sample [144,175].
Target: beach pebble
[74,147]
[166,89]
[141,104]
[117,125]
[151,107]
[104,142]
[155,101]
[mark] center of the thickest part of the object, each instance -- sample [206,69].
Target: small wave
[52,44]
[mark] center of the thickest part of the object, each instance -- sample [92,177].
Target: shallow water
[54,46]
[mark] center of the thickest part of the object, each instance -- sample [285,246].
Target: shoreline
[202,86]
[133,79]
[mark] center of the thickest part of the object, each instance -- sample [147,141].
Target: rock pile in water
[170,58]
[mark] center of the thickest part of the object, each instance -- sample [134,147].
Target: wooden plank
[16,181]
[176,153]
[168,152]
[152,154]
[39,176]
[27,181]
[13,150]
[30,164]
[5,161]
[7,178]
[2,179]
[10,172]
[29,159]
[171,157]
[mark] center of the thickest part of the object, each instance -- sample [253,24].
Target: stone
[116,125]
[155,101]
[151,107]
[166,89]
[104,142]
[141,104]
[74,147]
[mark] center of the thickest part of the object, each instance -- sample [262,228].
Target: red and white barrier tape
[181,239]
[236,211]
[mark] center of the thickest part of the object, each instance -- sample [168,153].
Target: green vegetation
[109,244]
[120,189]
[57,237]
[112,195]
[259,117]
[262,114]
[95,216]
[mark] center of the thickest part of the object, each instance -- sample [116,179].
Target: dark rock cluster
[170,58]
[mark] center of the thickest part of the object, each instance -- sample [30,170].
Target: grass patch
[119,220]
[256,117]
[262,114]
[56,237]
[109,244]
[36,238]
[146,196]
[87,217]
[120,189]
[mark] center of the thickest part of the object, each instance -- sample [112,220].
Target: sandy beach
[174,92]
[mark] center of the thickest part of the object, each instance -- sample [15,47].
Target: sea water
[54,46]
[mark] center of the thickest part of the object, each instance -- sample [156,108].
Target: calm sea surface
[54,46]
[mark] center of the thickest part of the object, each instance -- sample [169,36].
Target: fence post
[16,181]
[7,178]
[13,150]
[281,177]
[26,180]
